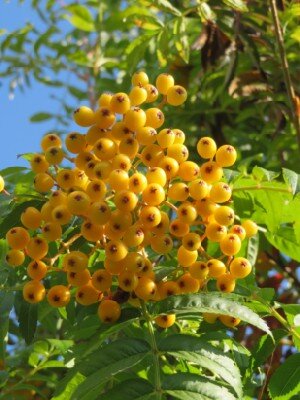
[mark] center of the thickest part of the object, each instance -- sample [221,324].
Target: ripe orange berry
[17,238]
[240,267]
[99,213]
[152,93]
[165,138]
[51,231]
[78,202]
[205,207]
[109,311]
[179,228]
[211,172]
[58,296]
[87,295]
[118,179]
[179,152]
[140,78]
[38,163]
[115,250]
[61,214]
[50,140]
[170,166]
[78,278]
[75,142]
[37,248]
[199,189]
[104,99]
[102,280]
[37,270]
[151,155]
[104,118]
[165,320]
[135,119]
[179,136]
[238,230]
[226,283]
[75,261]
[188,171]
[153,194]
[34,292]
[179,191]
[146,289]
[43,182]
[138,95]
[146,135]
[250,227]
[161,244]
[188,284]
[224,215]
[199,270]
[226,155]
[154,117]
[84,116]
[176,95]
[164,82]
[137,182]
[216,268]
[167,288]
[15,258]
[31,218]
[229,321]
[230,244]
[220,192]
[215,232]
[129,146]
[134,236]
[119,103]
[186,257]
[191,241]
[187,212]
[54,155]
[128,281]
[150,216]
[91,232]
[206,147]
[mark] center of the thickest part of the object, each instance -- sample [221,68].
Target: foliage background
[225,53]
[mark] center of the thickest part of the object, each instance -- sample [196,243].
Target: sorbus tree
[143,258]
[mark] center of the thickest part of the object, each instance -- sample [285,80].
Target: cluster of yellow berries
[131,191]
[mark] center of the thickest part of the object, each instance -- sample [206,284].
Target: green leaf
[28,320]
[213,302]
[285,240]
[6,304]
[136,49]
[102,365]
[186,386]
[131,389]
[165,5]
[291,178]
[197,351]
[69,384]
[238,5]
[205,12]
[285,382]
[81,18]
[41,116]
[292,312]
[262,174]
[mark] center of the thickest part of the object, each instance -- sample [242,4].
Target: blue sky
[18,134]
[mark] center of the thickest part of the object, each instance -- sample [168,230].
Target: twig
[285,69]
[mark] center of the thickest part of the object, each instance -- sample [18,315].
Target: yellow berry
[34,292]
[138,95]
[75,261]
[226,283]
[78,278]
[186,257]
[230,244]
[164,82]
[229,321]
[75,142]
[109,311]
[87,295]
[54,155]
[84,116]
[17,238]
[165,320]
[206,147]
[15,258]
[240,267]
[199,189]
[37,270]
[50,140]
[250,227]
[152,93]
[58,296]
[220,192]
[104,118]
[154,117]
[140,78]
[226,155]
[38,163]
[31,218]
[153,194]
[176,95]
[52,231]
[216,268]
[199,270]
[224,215]
[37,248]
[43,182]
[135,119]
[211,172]
[119,103]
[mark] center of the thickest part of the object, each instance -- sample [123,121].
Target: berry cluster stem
[155,351]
